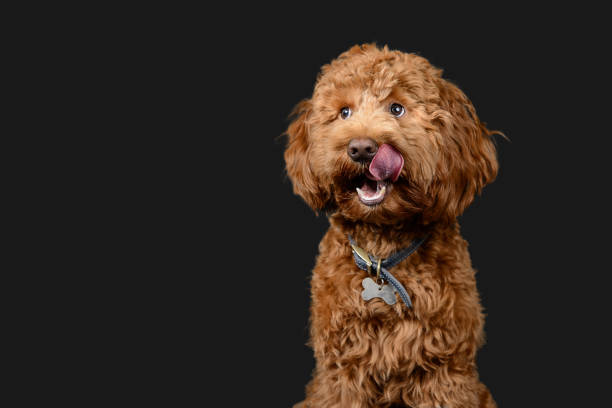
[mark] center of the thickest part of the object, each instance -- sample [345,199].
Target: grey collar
[368,262]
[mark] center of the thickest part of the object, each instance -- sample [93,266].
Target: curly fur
[370,354]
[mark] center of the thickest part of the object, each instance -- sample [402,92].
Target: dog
[393,154]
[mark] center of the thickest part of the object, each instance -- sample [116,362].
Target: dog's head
[384,138]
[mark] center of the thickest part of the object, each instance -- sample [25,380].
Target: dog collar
[366,262]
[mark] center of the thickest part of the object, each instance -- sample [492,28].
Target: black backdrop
[232,265]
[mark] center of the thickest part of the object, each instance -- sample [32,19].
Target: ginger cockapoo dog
[393,153]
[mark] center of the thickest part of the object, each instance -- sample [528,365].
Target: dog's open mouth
[384,169]
[372,192]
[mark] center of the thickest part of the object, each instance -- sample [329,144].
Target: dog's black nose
[362,149]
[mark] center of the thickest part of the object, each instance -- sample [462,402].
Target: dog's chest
[348,290]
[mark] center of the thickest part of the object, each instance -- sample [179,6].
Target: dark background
[230,295]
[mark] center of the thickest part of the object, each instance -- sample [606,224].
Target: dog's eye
[345,112]
[397,110]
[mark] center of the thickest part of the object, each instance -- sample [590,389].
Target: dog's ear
[297,160]
[468,157]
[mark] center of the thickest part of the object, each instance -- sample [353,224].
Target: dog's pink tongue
[387,163]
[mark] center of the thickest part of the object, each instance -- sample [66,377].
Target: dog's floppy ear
[468,158]
[297,159]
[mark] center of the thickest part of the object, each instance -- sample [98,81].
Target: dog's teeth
[374,198]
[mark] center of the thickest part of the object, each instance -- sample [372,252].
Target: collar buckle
[361,253]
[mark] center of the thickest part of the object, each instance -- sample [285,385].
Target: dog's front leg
[339,388]
[454,391]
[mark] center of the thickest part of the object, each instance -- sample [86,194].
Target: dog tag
[373,290]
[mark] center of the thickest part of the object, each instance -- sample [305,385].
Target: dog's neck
[383,240]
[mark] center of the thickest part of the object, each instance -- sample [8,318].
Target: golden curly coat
[370,354]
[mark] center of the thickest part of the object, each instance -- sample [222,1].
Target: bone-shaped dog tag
[373,290]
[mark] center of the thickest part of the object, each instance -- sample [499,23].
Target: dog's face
[384,138]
